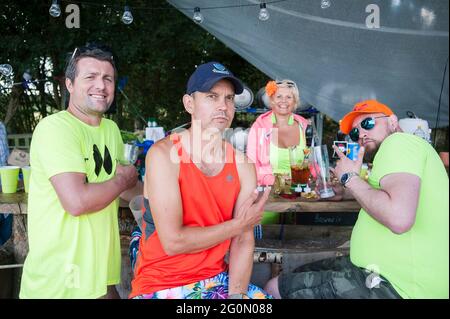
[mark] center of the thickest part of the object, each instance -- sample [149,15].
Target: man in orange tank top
[203,200]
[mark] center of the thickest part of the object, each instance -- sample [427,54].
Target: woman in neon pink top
[274,132]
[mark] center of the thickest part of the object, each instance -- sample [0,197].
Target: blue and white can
[352,151]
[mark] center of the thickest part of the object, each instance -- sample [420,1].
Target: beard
[369,154]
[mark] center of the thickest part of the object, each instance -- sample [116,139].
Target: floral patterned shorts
[211,288]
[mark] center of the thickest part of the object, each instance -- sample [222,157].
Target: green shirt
[279,157]
[416,262]
[71,257]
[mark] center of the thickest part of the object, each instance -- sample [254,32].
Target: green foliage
[129,137]
[157,53]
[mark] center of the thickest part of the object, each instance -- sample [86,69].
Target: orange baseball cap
[368,106]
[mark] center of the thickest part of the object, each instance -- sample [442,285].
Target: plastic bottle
[151,122]
[420,133]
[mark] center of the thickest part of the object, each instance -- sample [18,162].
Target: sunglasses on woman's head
[288,83]
[368,123]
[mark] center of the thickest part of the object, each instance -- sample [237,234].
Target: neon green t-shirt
[71,257]
[416,262]
[279,157]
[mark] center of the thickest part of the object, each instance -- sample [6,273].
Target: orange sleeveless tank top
[206,201]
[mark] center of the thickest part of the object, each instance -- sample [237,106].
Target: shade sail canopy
[337,55]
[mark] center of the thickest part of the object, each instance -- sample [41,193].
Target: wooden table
[17,204]
[282,205]
[14,203]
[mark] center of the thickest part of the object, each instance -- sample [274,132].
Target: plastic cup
[136,205]
[9,177]
[321,167]
[270,218]
[130,154]
[296,164]
[282,184]
[363,172]
[26,170]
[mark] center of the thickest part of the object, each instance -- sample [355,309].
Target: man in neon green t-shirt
[74,188]
[400,243]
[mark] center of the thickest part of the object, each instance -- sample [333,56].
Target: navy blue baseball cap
[208,74]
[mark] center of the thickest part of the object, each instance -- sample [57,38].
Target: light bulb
[26,75]
[55,10]
[198,16]
[5,69]
[324,4]
[8,83]
[127,17]
[263,12]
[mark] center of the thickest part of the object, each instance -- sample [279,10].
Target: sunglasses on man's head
[90,47]
[368,123]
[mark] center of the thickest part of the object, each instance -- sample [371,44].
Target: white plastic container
[244,100]
[154,133]
[412,125]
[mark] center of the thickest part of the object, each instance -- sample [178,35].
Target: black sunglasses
[368,123]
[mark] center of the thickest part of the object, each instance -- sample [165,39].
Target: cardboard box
[19,158]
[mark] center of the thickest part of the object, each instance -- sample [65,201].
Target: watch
[345,178]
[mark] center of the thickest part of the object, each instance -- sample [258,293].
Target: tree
[157,53]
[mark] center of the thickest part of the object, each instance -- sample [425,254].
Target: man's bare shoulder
[247,174]
[163,153]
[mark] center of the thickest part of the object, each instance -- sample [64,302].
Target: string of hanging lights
[127,16]
[55,10]
[263,12]
[198,16]
[325,4]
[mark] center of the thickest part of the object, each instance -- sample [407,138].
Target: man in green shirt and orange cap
[399,246]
